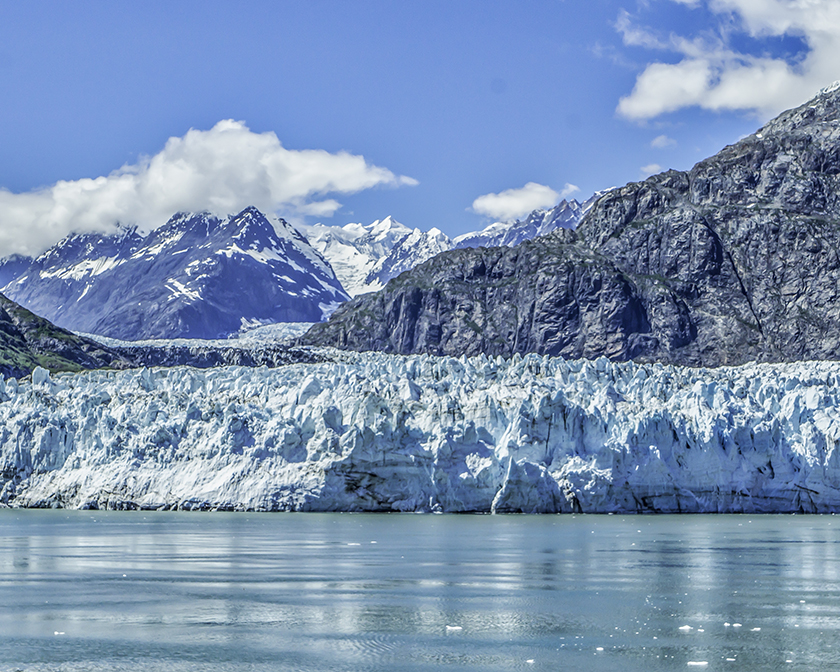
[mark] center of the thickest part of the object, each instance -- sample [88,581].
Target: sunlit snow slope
[389,433]
[365,258]
[198,276]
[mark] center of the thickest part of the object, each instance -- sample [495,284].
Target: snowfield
[373,432]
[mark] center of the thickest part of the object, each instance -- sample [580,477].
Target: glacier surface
[373,432]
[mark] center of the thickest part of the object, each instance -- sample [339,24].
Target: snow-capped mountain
[417,247]
[366,257]
[13,267]
[566,215]
[197,276]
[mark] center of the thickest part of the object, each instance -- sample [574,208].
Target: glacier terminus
[377,432]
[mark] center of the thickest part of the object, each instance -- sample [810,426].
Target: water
[212,591]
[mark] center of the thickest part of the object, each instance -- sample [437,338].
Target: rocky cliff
[27,341]
[736,260]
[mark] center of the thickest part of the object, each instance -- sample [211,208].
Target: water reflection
[404,592]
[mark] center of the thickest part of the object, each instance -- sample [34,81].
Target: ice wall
[388,433]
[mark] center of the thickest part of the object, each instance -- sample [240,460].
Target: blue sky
[445,101]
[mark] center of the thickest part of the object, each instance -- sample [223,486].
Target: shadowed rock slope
[27,341]
[736,260]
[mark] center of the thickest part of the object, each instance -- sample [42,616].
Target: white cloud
[634,36]
[650,169]
[221,170]
[513,204]
[714,76]
[569,189]
[662,141]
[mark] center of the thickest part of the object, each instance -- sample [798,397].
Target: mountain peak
[732,261]
[250,210]
[831,88]
[197,276]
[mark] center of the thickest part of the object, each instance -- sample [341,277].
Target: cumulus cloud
[569,189]
[650,169]
[713,75]
[222,170]
[513,204]
[662,141]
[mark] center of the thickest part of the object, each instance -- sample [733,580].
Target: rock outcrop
[736,260]
[28,341]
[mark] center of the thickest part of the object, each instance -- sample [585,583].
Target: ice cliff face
[387,433]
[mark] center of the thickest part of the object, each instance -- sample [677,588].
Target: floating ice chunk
[686,628]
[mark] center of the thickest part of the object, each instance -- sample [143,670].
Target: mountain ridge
[196,276]
[732,261]
[366,257]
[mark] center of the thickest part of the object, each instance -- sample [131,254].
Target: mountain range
[735,260]
[201,276]
[366,257]
[198,276]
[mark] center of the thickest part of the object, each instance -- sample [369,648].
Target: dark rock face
[206,357]
[736,260]
[27,341]
[197,276]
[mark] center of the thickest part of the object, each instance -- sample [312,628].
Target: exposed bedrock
[735,260]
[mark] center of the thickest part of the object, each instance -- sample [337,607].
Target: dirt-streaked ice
[390,433]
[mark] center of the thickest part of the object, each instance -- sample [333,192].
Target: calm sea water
[214,591]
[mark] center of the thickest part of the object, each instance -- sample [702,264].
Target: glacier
[375,432]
